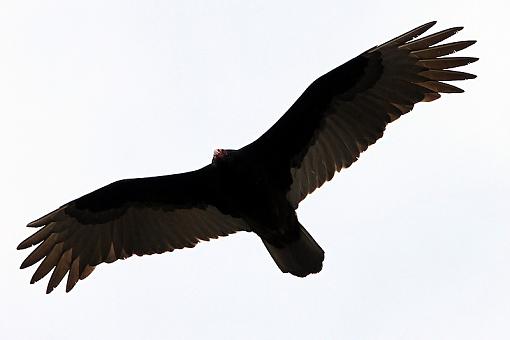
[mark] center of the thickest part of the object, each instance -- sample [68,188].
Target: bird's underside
[258,187]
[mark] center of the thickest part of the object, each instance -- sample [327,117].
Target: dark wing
[136,216]
[343,112]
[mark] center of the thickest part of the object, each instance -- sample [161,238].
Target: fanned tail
[299,257]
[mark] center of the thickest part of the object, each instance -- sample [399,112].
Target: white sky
[416,233]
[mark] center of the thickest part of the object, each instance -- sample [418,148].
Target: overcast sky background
[416,233]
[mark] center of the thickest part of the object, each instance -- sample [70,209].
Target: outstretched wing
[343,112]
[135,216]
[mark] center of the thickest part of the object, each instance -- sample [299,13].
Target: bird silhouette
[258,187]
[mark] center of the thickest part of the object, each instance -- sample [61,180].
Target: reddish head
[219,154]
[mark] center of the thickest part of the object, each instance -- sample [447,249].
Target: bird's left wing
[135,216]
[347,109]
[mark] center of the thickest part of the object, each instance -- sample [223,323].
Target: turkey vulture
[258,187]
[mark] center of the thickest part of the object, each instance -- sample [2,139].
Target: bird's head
[221,154]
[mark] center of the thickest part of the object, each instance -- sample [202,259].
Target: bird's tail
[299,257]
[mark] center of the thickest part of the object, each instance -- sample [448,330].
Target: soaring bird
[258,187]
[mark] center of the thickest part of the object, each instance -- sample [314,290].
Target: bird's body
[258,187]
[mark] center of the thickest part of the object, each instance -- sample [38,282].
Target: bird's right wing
[136,216]
[344,111]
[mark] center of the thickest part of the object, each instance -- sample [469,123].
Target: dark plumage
[258,187]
